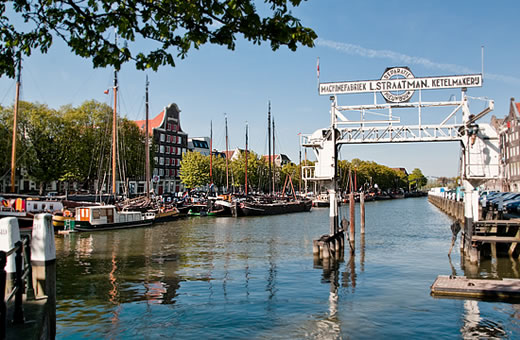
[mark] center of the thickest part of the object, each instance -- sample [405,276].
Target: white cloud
[408,60]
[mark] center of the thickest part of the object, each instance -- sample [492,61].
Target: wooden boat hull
[166,216]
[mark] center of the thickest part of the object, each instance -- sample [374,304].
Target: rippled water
[256,278]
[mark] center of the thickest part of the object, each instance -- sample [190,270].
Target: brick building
[170,144]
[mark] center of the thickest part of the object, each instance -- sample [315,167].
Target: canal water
[256,278]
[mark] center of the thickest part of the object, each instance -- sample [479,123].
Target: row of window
[168,173]
[170,139]
[173,150]
[510,137]
[172,127]
[168,161]
[514,169]
[512,151]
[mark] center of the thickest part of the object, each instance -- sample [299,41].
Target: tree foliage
[169,28]
[72,144]
[194,170]
[417,179]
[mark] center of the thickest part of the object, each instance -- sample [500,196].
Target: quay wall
[451,207]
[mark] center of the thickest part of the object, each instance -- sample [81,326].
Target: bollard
[9,235]
[43,260]
[43,253]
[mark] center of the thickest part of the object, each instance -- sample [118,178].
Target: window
[179,140]
[155,171]
[167,149]
[161,172]
[162,137]
[174,127]
[171,161]
[161,149]
[161,161]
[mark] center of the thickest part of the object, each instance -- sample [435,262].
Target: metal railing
[22,250]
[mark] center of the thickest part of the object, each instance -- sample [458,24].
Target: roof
[152,123]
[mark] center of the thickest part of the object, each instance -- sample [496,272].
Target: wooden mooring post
[352,229]
[362,212]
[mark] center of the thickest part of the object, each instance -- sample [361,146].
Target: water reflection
[255,278]
[476,327]
[329,326]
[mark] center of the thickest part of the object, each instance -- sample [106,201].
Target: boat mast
[274,162]
[227,155]
[269,142]
[147,146]
[210,152]
[114,135]
[246,159]
[15,115]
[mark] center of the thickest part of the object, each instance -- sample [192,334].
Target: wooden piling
[362,212]
[325,250]
[352,232]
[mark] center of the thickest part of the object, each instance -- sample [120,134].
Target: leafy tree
[255,169]
[43,156]
[417,179]
[6,125]
[88,132]
[194,170]
[219,171]
[165,25]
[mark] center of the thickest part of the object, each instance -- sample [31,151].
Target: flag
[318,69]
[106,91]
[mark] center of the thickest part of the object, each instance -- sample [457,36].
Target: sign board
[398,84]
[155,179]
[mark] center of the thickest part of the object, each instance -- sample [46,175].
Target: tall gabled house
[170,144]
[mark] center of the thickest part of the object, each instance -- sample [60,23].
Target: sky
[357,40]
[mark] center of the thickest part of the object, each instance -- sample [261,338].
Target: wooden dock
[460,286]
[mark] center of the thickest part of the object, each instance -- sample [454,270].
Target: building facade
[170,143]
[199,144]
[508,130]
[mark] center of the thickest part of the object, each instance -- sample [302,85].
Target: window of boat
[51,207]
[35,206]
[95,214]
[109,212]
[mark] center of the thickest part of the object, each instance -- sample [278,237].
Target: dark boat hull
[261,209]
[86,226]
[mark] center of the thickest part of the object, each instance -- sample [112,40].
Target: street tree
[194,170]
[417,179]
[155,33]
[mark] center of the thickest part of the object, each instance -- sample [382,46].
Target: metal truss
[400,134]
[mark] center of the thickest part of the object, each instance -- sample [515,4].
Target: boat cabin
[106,214]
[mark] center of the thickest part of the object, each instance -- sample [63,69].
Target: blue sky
[357,41]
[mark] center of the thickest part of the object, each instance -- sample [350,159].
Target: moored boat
[252,208]
[106,217]
[59,218]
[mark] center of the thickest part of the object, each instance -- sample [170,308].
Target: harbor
[256,277]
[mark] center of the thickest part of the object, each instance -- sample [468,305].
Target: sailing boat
[266,205]
[95,218]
